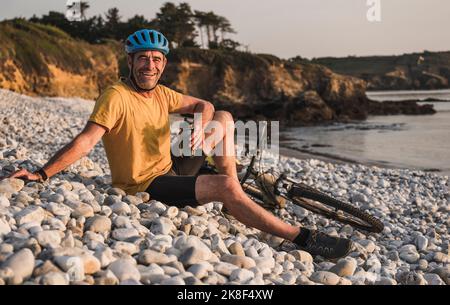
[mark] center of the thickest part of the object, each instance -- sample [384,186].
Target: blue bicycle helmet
[144,40]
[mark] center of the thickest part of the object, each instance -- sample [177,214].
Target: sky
[307,28]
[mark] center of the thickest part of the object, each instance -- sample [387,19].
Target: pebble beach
[77,229]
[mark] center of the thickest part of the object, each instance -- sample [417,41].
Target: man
[132,118]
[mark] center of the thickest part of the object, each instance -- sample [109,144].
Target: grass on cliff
[31,46]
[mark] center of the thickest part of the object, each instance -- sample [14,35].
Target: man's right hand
[24,175]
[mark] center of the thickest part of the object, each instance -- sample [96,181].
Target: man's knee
[216,187]
[226,185]
[223,115]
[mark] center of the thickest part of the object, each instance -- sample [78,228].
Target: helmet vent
[152,37]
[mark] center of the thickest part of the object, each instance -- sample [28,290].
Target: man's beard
[142,86]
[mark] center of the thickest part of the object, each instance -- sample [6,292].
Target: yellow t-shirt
[137,142]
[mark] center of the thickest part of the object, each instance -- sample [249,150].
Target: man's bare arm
[79,147]
[191,105]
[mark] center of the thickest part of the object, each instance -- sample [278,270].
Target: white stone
[421,243]
[218,245]
[49,239]
[55,278]
[98,224]
[325,277]
[21,263]
[162,225]
[409,256]
[148,257]
[121,208]
[10,186]
[4,202]
[345,267]
[105,256]
[4,227]
[125,269]
[301,256]
[173,281]
[124,233]
[225,268]
[171,212]
[200,270]
[72,265]
[241,275]
[30,214]
[433,279]
[125,247]
[156,207]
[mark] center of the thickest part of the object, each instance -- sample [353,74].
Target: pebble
[421,243]
[125,269]
[201,270]
[72,265]
[21,263]
[302,256]
[148,257]
[163,226]
[121,208]
[124,233]
[237,249]
[84,231]
[9,186]
[98,224]
[241,275]
[49,239]
[4,227]
[345,267]
[225,268]
[30,214]
[433,279]
[55,278]
[156,207]
[240,261]
[325,277]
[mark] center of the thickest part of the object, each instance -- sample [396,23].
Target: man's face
[147,68]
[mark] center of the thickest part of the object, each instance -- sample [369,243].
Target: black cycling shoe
[327,246]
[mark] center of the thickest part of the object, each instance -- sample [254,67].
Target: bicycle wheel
[333,208]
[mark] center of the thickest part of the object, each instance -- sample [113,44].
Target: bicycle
[273,192]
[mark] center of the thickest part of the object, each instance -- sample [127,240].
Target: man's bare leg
[228,190]
[225,158]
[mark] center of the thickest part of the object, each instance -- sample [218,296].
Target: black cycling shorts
[177,187]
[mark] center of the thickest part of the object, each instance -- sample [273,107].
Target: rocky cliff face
[41,60]
[428,70]
[263,86]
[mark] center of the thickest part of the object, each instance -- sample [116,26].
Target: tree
[113,24]
[229,45]
[136,23]
[213,24]
[176,23]
[201,22]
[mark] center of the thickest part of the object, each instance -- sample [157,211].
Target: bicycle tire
[299,191]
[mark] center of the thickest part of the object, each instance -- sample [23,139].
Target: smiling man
[132,118]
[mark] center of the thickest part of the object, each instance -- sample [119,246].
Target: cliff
[263,86]
[36,59]
[417,71]
[42,60]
